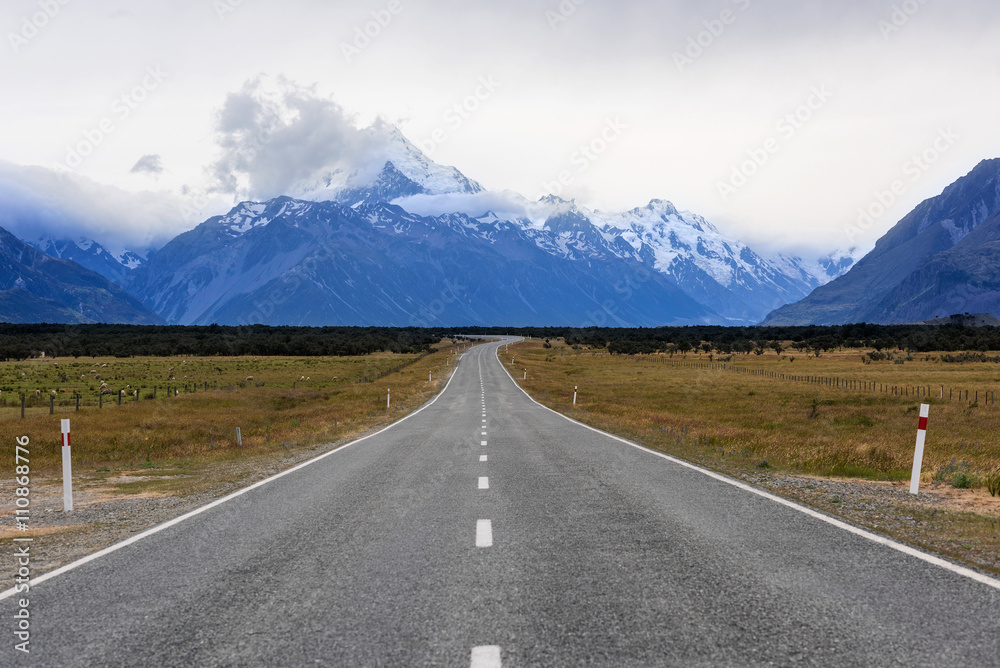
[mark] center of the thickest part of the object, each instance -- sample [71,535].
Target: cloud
[149,164]
[279,138]
[39,202]
[506,204]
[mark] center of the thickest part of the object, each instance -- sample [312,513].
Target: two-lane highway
[487,529]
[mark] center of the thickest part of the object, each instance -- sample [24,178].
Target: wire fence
[35,403]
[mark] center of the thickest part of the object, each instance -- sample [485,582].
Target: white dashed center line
[486,656]
[484,533]
[484,482]
[482,458]
[482,443]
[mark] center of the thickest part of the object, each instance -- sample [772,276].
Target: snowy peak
[247,216]
[390,184]
[111,264]
[396,169]
[411,162]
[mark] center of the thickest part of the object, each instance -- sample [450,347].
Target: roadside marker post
[574,394]
[67,469]
[239,438]
[918,455]
[388,394]
[525,375]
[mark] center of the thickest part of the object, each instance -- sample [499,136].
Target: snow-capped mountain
[289,261]
[711,268]
[399,169]
[112,265]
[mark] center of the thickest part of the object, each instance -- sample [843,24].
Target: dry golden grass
[193,430]
[746,413]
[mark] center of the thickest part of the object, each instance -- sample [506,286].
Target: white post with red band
[67,469]
[574,394]
[918,455]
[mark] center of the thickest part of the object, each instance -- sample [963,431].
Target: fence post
[22,406]
[918,454]
[67,469]
[52,404]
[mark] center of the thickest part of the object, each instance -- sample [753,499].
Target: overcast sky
[776,120]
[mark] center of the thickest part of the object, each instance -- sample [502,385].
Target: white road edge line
[484,482]
[484,533]
[486,656]
[875,538]
[197,511]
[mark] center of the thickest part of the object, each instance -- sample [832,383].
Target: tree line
[952,337]
[19,342]
[23,341]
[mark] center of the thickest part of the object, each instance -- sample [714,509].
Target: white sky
[557,84]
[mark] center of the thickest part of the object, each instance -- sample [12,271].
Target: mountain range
[295,262]
[351,251]
[408,241]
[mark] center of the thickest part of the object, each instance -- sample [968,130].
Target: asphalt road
[563,547]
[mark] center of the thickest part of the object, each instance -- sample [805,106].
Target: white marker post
[918,455]
[430,376]
[67,469]
[525,375]
[388,395]
[574,395]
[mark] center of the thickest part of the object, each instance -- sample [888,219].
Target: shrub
[962,480]
[993,481]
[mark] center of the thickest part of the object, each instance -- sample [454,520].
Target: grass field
[833,415]
[278,403]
